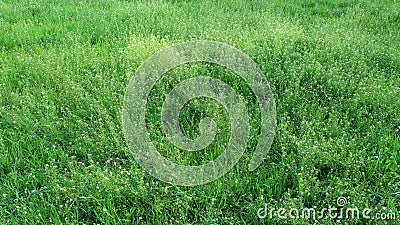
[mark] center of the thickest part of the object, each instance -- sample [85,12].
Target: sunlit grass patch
[332,65]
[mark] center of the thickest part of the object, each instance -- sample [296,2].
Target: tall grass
[333,67]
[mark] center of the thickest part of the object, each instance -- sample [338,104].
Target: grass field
[333,66]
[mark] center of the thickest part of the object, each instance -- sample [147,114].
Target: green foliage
[333,67]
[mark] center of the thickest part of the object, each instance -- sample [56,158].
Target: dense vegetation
[333,66]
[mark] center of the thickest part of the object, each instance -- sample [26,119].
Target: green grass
[333,66]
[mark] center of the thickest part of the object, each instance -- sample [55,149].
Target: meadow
[333,67]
